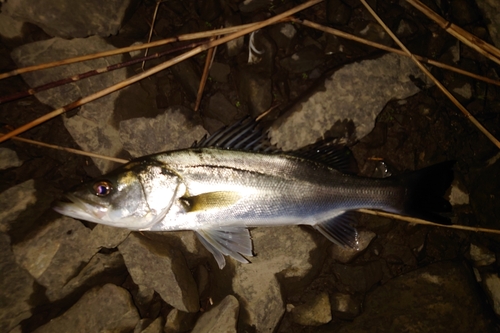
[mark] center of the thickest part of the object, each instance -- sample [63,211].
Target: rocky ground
[58,274]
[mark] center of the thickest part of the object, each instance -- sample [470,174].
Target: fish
[235,179]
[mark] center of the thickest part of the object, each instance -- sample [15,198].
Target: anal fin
[340,230]
[227,241]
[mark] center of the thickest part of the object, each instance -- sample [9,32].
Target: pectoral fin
[340,230]
[232,241]
[211,200]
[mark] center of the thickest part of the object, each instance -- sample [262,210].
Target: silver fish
[235,179]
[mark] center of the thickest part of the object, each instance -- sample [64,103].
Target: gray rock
[221,318]
[208,10]
[463,12]
[155,327]
[359,278]
[221,109]
[346,254]
[92,128]
[234,46]
[314,312]
[492,286]
[406,28]
[373,32]
[491,12]
[152,263]
[255,89]
[14,201]
[178,321]
[219,72]
[284,251]
[426,300]
[338,12]
[104,236]
[54,254]
[358,91]
[303,60]
[104,309]
[253,5]
[188,75]
[481,256]
[16,287]
[10,28]
[171,130]
[70,19]
[484,196]
[283,34]
[8,158]
[344,306]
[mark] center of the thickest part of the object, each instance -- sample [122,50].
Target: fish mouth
[78,208]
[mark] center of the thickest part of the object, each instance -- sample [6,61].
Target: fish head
[135,197]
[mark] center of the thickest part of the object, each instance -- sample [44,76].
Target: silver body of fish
[219,190]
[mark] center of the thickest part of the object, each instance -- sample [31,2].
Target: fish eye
[102,188]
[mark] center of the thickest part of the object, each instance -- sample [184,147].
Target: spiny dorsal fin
[246,134]
[330,152]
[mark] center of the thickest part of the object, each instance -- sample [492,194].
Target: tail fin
[425,191]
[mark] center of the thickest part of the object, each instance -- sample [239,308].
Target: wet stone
[253,5]
[463,12]
[188,75]
[372,84]
[235,46]
[484,198]
[70,19]
[152,263]
[255,89]
[359,278]
[282,34]
[221,109]
[373,32]
[406,28]
[9,159]
[208,10]
[221,318]
[179,321]
[347,254]
[16,287]
[171,130]
[481,255]
[314,312]
[303,60]
[491,11]
[219,72]
[154,327]
[104,309]
[492,287]
[14,201]
[426,300]
[9,27]
[284,251]
[338,12]
[54,254]
[344,306]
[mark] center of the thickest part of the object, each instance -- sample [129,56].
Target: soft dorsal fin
[246,134]
[330,152]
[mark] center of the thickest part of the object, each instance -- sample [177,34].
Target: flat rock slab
[92,128]
[70,19]
[221,318]
[104,309]
[168,131]
[16,287]
[283,250]
[14,201]
[438,298]
[358,91]
[161,267]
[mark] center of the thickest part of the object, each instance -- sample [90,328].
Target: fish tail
[425,189]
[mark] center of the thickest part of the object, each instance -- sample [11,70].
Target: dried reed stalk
[438,84]
[204,77]
[419,221]
[393,50]
[158,68]
[465,37]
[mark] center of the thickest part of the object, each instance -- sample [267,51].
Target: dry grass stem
[424,222]
[208,63]
[157,69]
[197,35]
[158,2]
[465,37]
[428,73]
[70,150]
[393,50]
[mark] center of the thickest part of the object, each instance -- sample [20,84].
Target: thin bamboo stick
[438,84]
[465,37]
[393,50]
[208,63]
[196,35]
[157,69]
[424,222]
[158,2]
